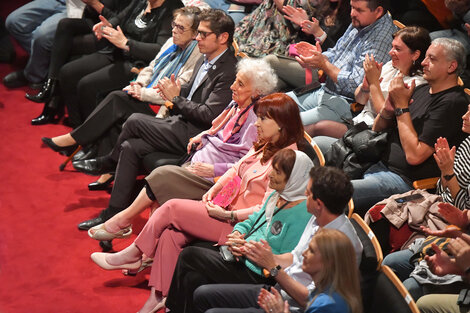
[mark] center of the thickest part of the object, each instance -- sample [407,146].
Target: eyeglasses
[179,28]
[204,34]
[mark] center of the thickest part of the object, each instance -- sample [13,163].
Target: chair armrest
[427,183]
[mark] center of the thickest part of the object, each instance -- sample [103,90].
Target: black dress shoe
[86,225]
[88,153]
[95,167]
[51,113]
[49,88]
[62,150]
[96,185]
[15,80]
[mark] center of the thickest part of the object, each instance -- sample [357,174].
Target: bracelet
[384,117]
[365,90]
[321,38]
[232,217]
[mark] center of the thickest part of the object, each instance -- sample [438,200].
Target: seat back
[389,295]
[316,148]
[372,255]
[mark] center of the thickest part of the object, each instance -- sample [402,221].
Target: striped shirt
[462,173]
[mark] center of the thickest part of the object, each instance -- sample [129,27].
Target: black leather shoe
[15,80]
[95,167]
[51,113]
[86,225]
[47,91]
[62,150]
[96,185]
[85,154]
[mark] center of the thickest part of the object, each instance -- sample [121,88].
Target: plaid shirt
[350,51]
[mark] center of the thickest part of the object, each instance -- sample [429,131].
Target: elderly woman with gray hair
[215,151]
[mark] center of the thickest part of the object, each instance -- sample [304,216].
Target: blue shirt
[350,51]
[328,303]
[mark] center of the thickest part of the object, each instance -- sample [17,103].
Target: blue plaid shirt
[350,51]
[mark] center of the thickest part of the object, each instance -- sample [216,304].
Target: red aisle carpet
[45,261]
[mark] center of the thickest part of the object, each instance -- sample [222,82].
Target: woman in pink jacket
[237,194]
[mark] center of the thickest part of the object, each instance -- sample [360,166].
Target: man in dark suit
[192,106]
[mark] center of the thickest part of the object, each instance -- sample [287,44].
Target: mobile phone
[226,254]
[402,200]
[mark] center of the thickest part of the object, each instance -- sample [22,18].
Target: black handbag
[358,149]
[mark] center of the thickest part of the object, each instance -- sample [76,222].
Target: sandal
[145,263]
[100,233]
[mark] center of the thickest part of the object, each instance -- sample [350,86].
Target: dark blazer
[210,98]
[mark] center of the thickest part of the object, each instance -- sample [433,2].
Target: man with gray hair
[419,116]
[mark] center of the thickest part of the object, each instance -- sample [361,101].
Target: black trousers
[111,113]
[73,37]
[141,135]
[221,298]
[83,82]
[198,266]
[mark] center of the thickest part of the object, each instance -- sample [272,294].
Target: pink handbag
[228,193]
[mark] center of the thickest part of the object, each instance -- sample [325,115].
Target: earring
[414,62]
[279,129]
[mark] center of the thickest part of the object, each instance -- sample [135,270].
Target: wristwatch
[449,177]
[274,271]
[400,111]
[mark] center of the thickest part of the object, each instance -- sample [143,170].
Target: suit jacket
[211,96]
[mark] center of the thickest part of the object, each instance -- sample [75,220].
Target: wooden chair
[389,295]
[372,252]
[350,208]
[316,148]
[237,51]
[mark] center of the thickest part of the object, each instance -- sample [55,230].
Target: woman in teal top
[331,262]
[283,217]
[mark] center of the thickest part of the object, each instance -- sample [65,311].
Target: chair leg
[69,158]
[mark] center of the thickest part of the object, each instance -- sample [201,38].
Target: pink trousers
[170,228]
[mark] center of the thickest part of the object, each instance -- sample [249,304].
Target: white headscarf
[295,186]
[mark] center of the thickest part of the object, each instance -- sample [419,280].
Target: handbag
[358,149]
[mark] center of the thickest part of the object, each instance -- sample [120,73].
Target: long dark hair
[281,108]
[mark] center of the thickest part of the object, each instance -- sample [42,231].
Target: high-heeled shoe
[100,233]
[96,185]
[100,259]
[49,88]
[145,263]
[67,150]
[51,113]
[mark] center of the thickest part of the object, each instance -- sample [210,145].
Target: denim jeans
[224,5]
[378,183]
[320,105]
[33,25]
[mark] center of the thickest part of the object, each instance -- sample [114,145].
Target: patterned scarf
[170,62]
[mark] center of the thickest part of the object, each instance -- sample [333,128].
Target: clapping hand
[295,15]
[372,70]
[312,27]
[169,87]
[99,27]
[400,93]
[260,253]
[441,263]
[467,27]
[272,302]
[444,156]
[311,57]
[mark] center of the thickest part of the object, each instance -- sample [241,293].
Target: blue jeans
[378,183]
[33,25]
[320,105]
[224,5]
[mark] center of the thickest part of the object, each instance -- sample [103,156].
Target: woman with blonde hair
[331,262]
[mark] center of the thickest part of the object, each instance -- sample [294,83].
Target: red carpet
[44,260]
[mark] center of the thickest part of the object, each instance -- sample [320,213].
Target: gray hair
[260,73]
[454,50]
